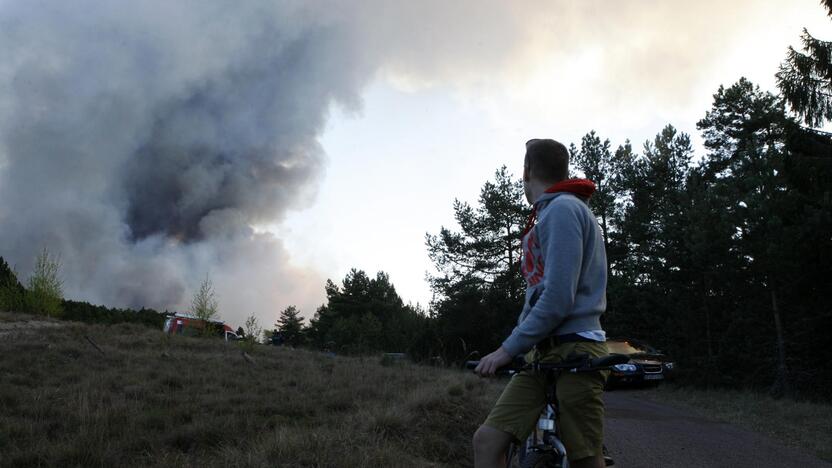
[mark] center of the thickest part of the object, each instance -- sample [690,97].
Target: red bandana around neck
[583,188]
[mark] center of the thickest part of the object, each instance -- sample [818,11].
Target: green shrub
[45,291]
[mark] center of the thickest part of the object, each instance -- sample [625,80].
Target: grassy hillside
[151,400]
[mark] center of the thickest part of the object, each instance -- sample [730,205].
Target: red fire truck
[181,324]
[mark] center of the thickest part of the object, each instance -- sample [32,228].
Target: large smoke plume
[145,141]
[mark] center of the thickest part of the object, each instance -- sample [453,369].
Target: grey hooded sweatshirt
[565,266]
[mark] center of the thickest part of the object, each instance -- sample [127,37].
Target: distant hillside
[147,399]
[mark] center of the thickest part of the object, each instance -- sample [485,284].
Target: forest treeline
[721,257]
[43,295]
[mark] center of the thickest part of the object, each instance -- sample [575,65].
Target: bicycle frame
[545,438]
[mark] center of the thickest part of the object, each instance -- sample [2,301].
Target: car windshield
[628,347]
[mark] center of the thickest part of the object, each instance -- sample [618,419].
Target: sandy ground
[14,325]
[645,434]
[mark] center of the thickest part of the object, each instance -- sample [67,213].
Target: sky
[271,144]
[395,166]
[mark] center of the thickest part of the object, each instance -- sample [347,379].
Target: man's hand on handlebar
[489,364]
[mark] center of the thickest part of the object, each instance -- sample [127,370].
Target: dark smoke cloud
[145,141]
[142,140]
[242,142]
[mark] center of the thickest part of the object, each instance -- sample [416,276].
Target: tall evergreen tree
[595,160]
[487,246]
[746,132]
[805,78]
[805,81]
[647,249]
[479,290]
[615,174]
[651,212]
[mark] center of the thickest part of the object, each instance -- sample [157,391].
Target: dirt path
[644,434]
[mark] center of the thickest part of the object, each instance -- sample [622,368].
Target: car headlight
[668,365]
[625,367]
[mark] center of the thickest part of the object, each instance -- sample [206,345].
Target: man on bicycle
[565,266]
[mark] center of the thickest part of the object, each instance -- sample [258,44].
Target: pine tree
[479,289]
[805,78]
[745,133]
[367,315]
[290,326]
[595,160]
[487,245]
[11,291]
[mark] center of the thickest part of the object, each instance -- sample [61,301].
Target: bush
[204,305]
[89,313]
[45,286]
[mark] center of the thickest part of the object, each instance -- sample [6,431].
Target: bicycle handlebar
[579,364]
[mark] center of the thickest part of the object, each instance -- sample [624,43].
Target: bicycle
[543,448]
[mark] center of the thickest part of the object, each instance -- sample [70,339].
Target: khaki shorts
[581,409]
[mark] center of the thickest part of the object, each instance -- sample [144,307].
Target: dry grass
[153,400]
[800,424]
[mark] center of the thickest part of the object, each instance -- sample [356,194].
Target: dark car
[647,364]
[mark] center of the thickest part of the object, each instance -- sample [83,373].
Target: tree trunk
[710,371]
[606,242]
[604,229]
[781,385]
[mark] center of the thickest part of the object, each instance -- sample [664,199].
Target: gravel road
[644,434]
